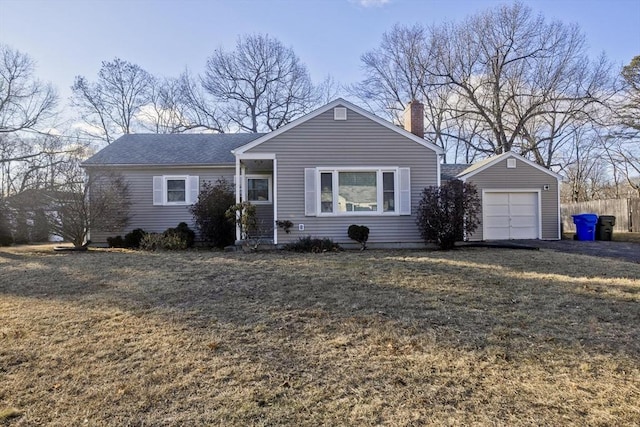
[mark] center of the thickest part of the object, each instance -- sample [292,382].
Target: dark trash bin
[585,226]
[604,228]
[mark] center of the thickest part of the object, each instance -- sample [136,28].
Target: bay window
[358,191]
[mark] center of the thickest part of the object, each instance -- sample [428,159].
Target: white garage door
[510,215]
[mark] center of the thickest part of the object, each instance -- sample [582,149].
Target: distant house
[337,166]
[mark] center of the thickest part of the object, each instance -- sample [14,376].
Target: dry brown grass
[471,337]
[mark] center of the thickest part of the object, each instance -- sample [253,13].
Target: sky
[72,37]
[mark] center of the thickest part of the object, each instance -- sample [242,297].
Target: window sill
[175,204]
[352,214]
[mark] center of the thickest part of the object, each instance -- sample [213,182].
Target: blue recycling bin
[585,226]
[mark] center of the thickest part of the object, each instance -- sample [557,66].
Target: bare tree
[197,108]
[500,80]
[26,105]
[110,104]
[512,67]
[162,114]
[261,85]
[624,147]
[25,102]
[100,202]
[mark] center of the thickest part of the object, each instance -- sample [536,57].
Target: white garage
[520,199]
[511,215]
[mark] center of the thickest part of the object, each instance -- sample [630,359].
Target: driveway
[625,251]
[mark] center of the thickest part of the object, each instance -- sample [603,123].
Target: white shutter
[193,189]
[158,191]
[405,190]
[310,192]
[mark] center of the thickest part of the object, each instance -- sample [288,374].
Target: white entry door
[510,215]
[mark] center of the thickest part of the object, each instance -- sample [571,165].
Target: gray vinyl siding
[143,214]
[356,142]
[523,176]
[264,219]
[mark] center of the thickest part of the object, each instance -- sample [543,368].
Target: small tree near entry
[244,216]
[209,213]
[445,213]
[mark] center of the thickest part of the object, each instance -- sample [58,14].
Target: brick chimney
[414,118]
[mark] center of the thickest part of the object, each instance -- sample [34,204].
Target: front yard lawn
[470,337]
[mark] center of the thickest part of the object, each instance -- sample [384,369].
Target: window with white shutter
[175,190]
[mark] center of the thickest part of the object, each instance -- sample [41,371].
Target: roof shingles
[172,149]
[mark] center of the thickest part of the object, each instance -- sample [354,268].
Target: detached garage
[520,199]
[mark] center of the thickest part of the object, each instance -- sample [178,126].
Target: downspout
[275,200]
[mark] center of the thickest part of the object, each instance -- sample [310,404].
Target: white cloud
[371,3]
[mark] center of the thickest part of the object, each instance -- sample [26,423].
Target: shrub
[168,241]
[116,242]
[41,227]
[445,213]
[21,231]
[285,225]
[133,238]
[5,231]
[209,213]
[311,244]
[360,234]
[180,237]
[152,242]
[244,216]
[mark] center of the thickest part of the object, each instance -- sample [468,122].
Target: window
[258,188]
[358,192]
[326,192]
[175,190]
[388,192]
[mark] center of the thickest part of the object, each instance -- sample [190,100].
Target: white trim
[275,201]
[237,181]
[509,154]
[338,102]
[336,170]
[238,195]
[245,182]
[512,190]
[256,156]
